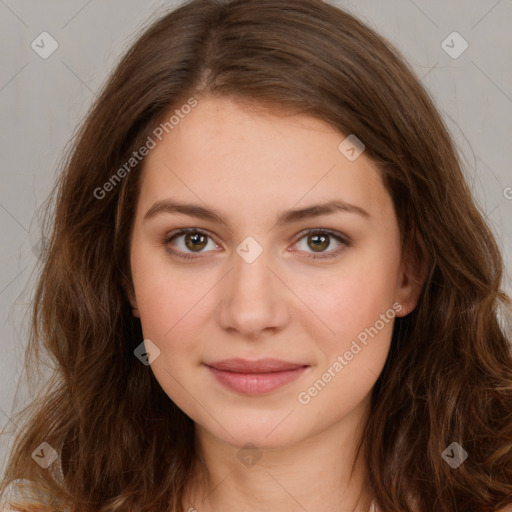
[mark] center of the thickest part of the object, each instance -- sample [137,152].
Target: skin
[251,166]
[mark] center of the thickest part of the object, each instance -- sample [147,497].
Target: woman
[268,285]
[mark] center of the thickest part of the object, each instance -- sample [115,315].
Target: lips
[268,365]
[255,377]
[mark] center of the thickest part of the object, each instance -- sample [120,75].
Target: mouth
[255,377]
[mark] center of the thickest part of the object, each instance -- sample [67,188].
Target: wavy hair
[122,444]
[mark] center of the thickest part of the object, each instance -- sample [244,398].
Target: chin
[264,433]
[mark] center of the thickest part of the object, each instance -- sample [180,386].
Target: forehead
[229,154]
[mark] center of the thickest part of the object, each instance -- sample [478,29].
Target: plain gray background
[42,101]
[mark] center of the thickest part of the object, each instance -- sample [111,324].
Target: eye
[321,239]
[192,239]
[184,242]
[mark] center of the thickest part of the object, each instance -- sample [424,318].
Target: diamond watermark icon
[249,455]
[44,45]
[454,45]
[249,249]
[455,455]
[351,147]
[147,352]
[44,455]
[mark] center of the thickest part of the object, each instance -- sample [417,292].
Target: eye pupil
[195,240]
[323,242]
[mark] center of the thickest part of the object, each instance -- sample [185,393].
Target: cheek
[356,306]
[365,285]
[164,294]
[169,306]
[358,310]
[171,312]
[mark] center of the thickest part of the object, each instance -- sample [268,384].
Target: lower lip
[256,383]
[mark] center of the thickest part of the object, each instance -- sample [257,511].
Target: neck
[314,475]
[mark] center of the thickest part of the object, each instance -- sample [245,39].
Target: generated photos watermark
[304,397]
[143,151]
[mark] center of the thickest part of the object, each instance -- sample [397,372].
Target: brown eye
[325,243]
[185,242]
[195,240]
[318,242]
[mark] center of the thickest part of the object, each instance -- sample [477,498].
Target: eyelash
[344,240]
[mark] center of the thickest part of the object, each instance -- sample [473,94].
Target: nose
[253,298]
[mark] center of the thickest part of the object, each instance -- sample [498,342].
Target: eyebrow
[286,217]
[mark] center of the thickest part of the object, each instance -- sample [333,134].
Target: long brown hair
[122,444]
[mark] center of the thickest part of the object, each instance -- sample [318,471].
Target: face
[260,273]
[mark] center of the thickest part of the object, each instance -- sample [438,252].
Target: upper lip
[267,365]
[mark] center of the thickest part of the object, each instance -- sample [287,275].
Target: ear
[413,274]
